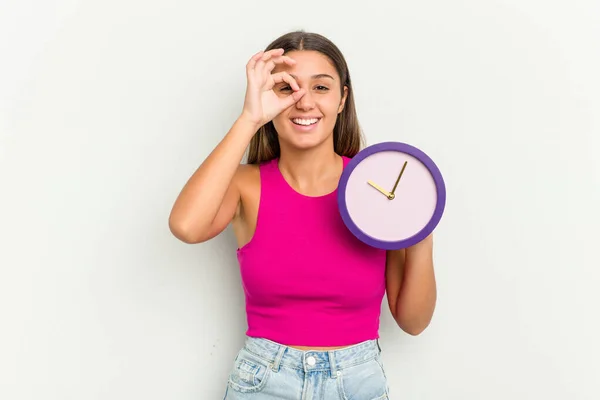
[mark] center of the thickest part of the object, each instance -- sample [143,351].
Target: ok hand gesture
[261,103]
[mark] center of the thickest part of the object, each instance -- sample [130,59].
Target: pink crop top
[307,280]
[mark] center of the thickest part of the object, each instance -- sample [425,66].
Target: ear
[343,101]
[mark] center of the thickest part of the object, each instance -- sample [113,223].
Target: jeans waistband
[312,360]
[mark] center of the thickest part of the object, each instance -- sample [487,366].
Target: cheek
[331,113]
[331,105]
[280,121]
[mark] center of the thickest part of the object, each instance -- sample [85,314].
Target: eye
[318,87]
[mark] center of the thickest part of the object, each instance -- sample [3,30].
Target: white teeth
[301,121]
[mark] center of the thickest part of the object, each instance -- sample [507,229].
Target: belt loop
[332,365]
[278,357]
[378,346]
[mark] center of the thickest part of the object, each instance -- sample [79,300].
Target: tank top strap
[268,171]
[346,160]
[271,188]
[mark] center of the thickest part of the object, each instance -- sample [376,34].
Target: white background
[107,107]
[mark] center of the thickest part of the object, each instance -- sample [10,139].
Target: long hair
[347,134]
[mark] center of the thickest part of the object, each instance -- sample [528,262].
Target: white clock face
[368,189]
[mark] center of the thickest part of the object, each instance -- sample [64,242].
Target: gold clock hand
[398,180]
[376,186]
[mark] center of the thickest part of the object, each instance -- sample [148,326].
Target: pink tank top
[307,280]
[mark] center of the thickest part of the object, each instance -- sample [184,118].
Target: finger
[272,53]
[288,60]
[273,56]
[269,66]
[293,98]
[252,63]
[298,95]
[282,60]
[267,55]
[285,77]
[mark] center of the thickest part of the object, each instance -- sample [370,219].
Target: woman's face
[310,121]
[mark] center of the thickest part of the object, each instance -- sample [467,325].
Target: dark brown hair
[347,135]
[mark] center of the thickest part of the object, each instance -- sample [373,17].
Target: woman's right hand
[261,103]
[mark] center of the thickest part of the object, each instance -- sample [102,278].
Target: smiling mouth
[305,121]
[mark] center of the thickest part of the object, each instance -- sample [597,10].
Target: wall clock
[391,195]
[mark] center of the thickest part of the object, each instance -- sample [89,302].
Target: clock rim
[433,170]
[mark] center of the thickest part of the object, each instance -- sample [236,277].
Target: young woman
[313,291]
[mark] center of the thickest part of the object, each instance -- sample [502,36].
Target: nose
[306,102]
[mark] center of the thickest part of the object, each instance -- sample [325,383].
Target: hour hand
[376,186]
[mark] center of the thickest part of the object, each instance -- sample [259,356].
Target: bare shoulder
[247,170]
[247,177]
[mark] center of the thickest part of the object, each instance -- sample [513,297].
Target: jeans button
[311,361]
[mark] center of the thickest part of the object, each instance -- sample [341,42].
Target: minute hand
[398,180]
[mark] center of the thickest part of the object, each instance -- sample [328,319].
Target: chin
[303,142]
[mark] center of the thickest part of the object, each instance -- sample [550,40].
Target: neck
[310,168]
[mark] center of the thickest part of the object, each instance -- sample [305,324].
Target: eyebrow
[318,76]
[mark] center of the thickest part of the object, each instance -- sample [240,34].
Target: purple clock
[391,195]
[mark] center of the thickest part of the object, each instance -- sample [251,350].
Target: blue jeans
[265,370]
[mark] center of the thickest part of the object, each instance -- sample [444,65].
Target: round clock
[391,195]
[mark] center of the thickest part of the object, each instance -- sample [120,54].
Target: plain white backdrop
[107,107]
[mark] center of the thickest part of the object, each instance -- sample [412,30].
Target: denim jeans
[265,370]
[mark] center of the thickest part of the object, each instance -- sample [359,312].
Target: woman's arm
[210,198]
[411,286]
